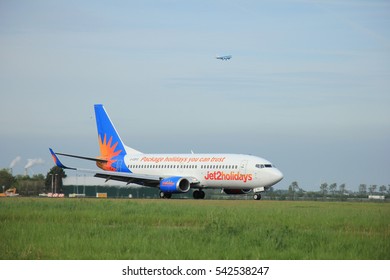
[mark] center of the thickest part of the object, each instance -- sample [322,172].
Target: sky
[307,88]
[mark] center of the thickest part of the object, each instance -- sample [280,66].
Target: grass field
[33,228]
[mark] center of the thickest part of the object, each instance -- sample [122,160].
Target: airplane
[223,57]
[175,173]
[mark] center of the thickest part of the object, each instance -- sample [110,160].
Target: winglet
[57,160]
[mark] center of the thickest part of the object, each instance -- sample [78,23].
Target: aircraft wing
[131,178]
[128,178]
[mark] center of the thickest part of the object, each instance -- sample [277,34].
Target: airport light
[52,183]
[55,186]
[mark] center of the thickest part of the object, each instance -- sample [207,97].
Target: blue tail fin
[111,146]
[110,142]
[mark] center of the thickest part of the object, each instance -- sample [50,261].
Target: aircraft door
[243,166]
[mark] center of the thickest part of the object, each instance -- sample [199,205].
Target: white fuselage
[228,171]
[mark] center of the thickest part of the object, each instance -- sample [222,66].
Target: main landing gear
[257,196]
[165,195]
[198,194]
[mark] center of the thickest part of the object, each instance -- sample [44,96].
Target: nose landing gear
[198,194]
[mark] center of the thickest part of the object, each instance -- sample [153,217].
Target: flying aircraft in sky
[176,173]
[223,57]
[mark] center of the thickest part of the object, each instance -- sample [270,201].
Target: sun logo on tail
[107,152]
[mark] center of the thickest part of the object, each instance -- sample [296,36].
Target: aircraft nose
[278,175]
[275,176]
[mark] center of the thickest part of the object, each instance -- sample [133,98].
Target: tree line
[33,185]
[332,190]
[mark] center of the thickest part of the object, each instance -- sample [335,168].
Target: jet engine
[175,185]
[237,191]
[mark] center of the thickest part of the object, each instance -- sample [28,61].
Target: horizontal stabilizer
[81,157]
